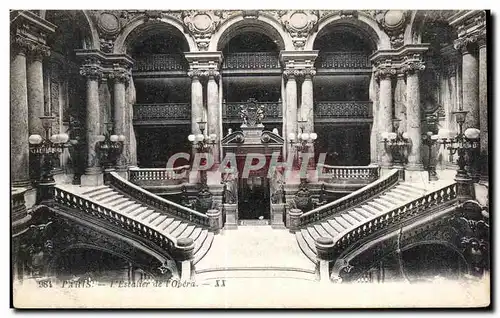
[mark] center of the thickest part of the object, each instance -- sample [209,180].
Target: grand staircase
[145,210]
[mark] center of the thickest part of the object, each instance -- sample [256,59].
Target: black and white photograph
[191,158]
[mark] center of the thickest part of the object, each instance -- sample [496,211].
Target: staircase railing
[421,206]
[357,197]
[348,172]
[94,209]
[138,175]
[156,202]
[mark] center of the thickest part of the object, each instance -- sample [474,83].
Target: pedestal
[92,180]
[231,211]
[277,215]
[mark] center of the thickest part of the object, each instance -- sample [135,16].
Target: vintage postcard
[308,158]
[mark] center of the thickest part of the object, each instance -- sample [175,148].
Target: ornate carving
[38,51]
[393,22]
[412,64]
[252,113]
[299,24]
[462,44]
[198,74]
[201,25]
[120,74]
[385,71]
[91,69]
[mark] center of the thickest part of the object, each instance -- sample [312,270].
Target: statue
[277,188]
[229,192]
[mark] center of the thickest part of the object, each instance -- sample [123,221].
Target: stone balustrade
[157,202]
[333,173]
[350,200]
[382,223]
[158,176]
[343,60]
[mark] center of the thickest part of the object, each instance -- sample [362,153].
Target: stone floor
[255,246]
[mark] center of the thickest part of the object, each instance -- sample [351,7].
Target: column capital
[38,51]
[21,44]
[412,64]
[91,68]
[385,71]
[213,74]
[120,74]
[197,74]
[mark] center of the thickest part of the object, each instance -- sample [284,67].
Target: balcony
[160,63]
[231,111]
[162,112]
[251,61]
[326,110]
[343,61]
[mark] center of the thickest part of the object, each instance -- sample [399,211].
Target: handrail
[354,237]
[157,202]
[349,172]
[153,174]
[90,207]
[351,200]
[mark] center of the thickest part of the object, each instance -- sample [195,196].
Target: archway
[64,87]
[82,263]
[342,106]
[161,108]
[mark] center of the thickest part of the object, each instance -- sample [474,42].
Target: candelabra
[109,147]
[303,143]
[430,139]
[465,144]
[76,151]
[203,143]
[396,143]
[47,149]
[200,141]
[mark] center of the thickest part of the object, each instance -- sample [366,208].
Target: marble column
[374,144]
[385,110]
[291,104]
[470,85]
[35,87]
[213,109]
[196,100]
[483,106]
[19,146]
[400,99]
[93,173]
[307,108]
[120,77]
[131,99]
[413,117]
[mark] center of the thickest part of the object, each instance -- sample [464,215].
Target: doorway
[254,198]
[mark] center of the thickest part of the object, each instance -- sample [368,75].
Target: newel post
[183,255]
[325,255]
[294,216]
[214,220]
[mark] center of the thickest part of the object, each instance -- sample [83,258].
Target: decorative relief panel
[202,25]
[393,22]
[299,24]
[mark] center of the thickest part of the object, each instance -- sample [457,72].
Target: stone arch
[365,25]
[261,24]
[92,36]
[413,31]
[140,24]
[51,269]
